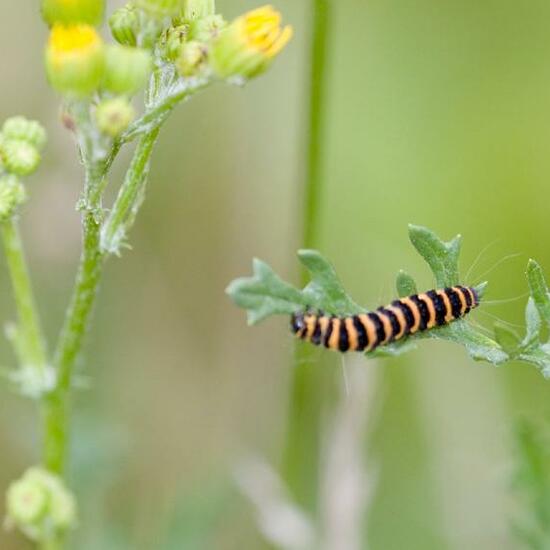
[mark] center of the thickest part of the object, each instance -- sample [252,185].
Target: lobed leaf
[442,257]
[265,294]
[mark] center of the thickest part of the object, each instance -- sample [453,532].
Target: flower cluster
[21,141]
[187,33]
[40,505]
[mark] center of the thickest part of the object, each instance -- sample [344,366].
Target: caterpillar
[367,331]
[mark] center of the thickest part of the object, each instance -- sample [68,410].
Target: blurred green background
[438,114]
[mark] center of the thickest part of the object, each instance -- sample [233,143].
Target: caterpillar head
[297,322]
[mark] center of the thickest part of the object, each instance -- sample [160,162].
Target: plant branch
[29,340]
[129,196]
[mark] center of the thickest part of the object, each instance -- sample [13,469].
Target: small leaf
[405,284]
[442,257]
[539,290]
[265,294]
[533,324]
[325,290]
[507,338]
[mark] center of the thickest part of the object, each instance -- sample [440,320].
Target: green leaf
[533,325]
[507,338]
[539,290]
[265,294]
[325,290]
[442,257]
[405,284]
[478,346]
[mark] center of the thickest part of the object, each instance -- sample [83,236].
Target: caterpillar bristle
[367,331]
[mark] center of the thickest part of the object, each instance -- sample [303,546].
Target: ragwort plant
[169,50]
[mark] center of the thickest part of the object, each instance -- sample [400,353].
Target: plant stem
[316,124]
[57,403]
[128,198]
[309,382]
[70,343]
[30,342]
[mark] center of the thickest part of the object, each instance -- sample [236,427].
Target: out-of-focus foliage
[532,486]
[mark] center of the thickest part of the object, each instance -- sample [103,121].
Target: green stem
[70,344]
[30,343]
[316,123]
[57,404]
[310,383]
[131,191]
[155,116]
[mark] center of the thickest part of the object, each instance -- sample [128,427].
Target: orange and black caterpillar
[367,331]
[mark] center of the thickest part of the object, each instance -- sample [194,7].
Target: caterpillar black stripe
[367,331]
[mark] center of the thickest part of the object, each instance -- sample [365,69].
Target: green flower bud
[126,69]
[124,24]
[113,116]
[40,505]
[19,127]
[12,195]
[191,58]
[69,12]
[26,501]
[159,8]
[193,9]
[75,59]
[20,157]
[206,28]
[174,39]
[249,44]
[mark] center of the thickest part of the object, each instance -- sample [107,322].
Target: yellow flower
[73,11]
[75,59]
[248,45]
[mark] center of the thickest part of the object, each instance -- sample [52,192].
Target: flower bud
[26,501]
[159,8]
[174,38]
[124,24]
[73,11]
[193,9]
[40,505]
[126,69]
[12,195]
[206,28]
[19,157]
[191,58]
[31,131]
[75,59]
[113,116]
[248,45]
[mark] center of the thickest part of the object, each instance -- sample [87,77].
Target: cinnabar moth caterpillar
[367,331]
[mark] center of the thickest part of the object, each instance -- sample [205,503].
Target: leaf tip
[481,288]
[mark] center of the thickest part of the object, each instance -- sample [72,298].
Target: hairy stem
[309,384]
[70,344]
[77,321]
[128,199]
[29,340]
